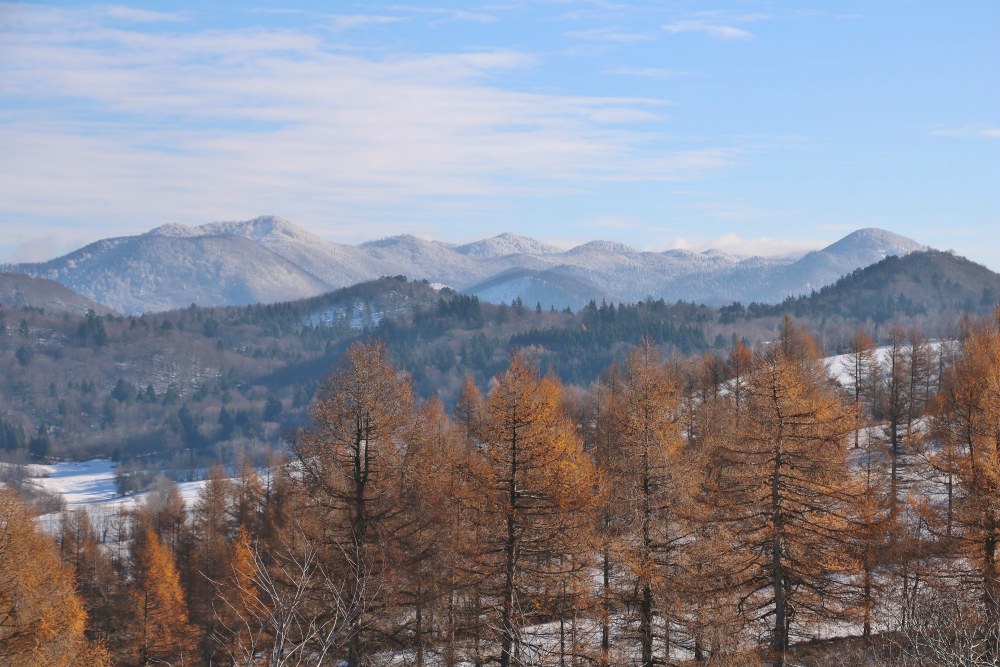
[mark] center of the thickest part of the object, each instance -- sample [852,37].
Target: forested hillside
[719,509]
[197,385]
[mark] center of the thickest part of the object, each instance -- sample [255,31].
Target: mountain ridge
[269,258]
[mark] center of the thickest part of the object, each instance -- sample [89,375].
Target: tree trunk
[779,639]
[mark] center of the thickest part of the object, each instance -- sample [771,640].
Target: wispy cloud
[447,13]
[717,24]
[718,31]
[610,34]
[221,123]
[350,21]
[969,131]
[136,15]
[735,244]
[649,72]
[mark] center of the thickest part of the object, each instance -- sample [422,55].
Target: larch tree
[212,534]
[42,619]
[782,491]
[647,476]
[350,460]
[469,408]
[246,504]
[162,631]
[740,361]
[541,488]
[872,532]
[895,408]
[98,584]
[425,537]
[967,420]
[602,441]
[861,369]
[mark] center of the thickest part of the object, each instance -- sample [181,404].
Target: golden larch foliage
[41,617]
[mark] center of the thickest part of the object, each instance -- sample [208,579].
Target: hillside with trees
[705,509]
[188,387]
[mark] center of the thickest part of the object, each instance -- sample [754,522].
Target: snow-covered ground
[91,485]
[839,366]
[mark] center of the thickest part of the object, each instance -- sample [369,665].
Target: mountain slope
[18,290]
[927,284]
[506,244]
[155,272]
[823,267]
[270,259]
[549,288]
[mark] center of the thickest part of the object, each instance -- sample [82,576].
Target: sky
[754,127]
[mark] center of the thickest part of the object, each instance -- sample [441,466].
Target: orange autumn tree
[350,459]
[966,420]
[541,498]
[41,617]
[784,493]
[162,631]
[645,470]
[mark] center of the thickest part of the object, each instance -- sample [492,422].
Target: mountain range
[269,259]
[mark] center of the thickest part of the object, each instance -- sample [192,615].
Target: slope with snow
[269,259]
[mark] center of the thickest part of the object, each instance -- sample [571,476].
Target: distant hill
[550,287]
[269,259]
[505,245]
[190,382]
[929,289]
[18,290]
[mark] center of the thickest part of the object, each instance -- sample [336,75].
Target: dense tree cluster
[691,510]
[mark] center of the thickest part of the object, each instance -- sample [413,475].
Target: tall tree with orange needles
[162,631]
[783,491]
[350,460]
[967,420]
[862,367]
[647,480]
[541,489]
[41,618]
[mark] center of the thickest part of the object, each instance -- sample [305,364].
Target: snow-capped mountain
[270,259]
[505,245]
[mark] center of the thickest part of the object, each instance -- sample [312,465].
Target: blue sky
[754,127]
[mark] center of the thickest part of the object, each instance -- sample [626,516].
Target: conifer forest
[734,508]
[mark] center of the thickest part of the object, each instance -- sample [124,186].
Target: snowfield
[839,367]
[91,485]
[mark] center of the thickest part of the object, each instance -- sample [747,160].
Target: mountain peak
[399,240]
[257,229]
[506,244]
[874,241]
[614,247]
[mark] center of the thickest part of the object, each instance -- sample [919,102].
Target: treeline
[930,287]
[188,387]
[701,510]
